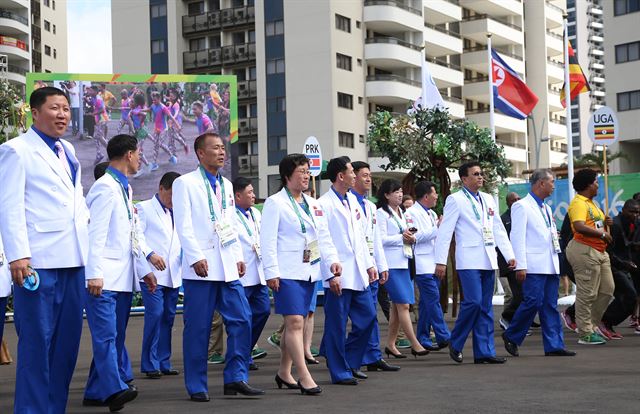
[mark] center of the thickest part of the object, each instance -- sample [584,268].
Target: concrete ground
[601,379]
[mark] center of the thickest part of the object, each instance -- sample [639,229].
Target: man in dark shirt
[511,306]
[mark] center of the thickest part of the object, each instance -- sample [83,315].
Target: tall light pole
[539,139]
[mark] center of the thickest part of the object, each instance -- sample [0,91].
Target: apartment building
[14,41]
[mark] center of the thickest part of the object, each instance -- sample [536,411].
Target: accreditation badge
[599,224]
[556,241]
[487,236]
[256,248]
[135,243]
[407,250]
[226,233]
[1,258]
[370,245]
[311,252]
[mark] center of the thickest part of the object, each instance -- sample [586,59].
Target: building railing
[393,41]
[486,16]
[554,7]
[511,144]
[215,20]
[453,99]
[393,3]
[555,63]
[443,30]
[12,41]
[247,126]
[247,89]
[476,79]
[17,69]
[440,62]
[393,78]
[498,49]
[7,14]
[554,35]
[36,33]
[217,56]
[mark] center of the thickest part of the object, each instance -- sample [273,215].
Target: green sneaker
[274,340]
[216,358]
[315,351]
[592,339]
[403,344]
[258,353]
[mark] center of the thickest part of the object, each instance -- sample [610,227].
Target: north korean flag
[510,94]
[314,161]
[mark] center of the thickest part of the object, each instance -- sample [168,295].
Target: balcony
[441,42]
[392,89]
[12,23]
[389,53]
[391,16]
[553,15]
[504,124]
[238,16]
[14,48]
[445,74]
[16,74]
[558,158]
[555,44]
[494,7]
[555,71]
[504,33]
[247,89]
[36,33]
[35,9]
[475,58]
[228,55]
[238,53]
[455,105]
[247,126]
[553,99]
[215,20]
[557,129]
[441,11]
[248,164]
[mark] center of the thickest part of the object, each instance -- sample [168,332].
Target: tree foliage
[427,142]
[595,159]
[12,112]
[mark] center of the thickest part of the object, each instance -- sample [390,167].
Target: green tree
[428,143]
[595,159]
[11,108]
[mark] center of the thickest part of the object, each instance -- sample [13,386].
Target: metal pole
[489,62]
[606,182]
[567,99]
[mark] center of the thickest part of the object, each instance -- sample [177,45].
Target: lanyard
[475,209]
[371,217]
[207,184]
[244,221]
[124,194]
[393,216]
[594,219]
[545,215]
[303,228]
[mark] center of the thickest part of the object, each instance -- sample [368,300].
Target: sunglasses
[477,174]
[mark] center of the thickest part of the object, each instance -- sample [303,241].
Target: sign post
[603,130]
[314,153]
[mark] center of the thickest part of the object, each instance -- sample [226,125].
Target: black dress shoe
[561,352]
[253,366]
[309,391]
[280,382]
[153,374]
[200,397]
[510,346]
[455,355]
[171,372]
[359,374]
[311,361]
[117,401]
[348,381]
[241,387]
[382,365]
[490,360]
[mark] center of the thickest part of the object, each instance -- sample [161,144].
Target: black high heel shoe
[311,361]
[389,354]
[282,382]
[309,391]
[416,354]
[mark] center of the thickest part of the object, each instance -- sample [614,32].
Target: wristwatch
[602,235]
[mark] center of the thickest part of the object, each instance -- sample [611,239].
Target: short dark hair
[100,169]
[630,203]
[289,164]
[39,96]
[119,145]
[423,188]
[240,183]
[94,88]
[388,186]
[358,165]
[167,179]
[336,166]
[201,139]
[636,196]
[583,179]
[463,170]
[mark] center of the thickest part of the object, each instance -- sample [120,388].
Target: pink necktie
[219,193]
[62,157]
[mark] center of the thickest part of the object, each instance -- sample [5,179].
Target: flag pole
[492,125]
[606,182]
[567,100]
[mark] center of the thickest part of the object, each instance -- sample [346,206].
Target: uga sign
[603,126]
[312,151]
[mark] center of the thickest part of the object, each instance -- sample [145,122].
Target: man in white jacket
[116,264]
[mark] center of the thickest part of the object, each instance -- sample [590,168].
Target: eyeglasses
[477,174]
[304,172]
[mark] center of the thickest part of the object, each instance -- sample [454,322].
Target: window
[628,101]
[158,10]
[357,24]
[253,110]
[274,28]
[54,29]
[214,5]
[157,46]
[359,61]
[47,50]
[253,73]
[53,4]
[237,38]
[277,143]
[241,74]
[275,66]
[252,36]
[242,111]
[343,23]
[47,26]
[214,42]
[628,52]
[237,3]
[360,100]
[343,61]
[197,44]
[196,8]
[46,3]
[345,139]
[55,54]
[277,104]
[621,7]
[361,138]
[345,100]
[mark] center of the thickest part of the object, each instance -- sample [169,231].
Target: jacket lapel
[49,157]
[162,216]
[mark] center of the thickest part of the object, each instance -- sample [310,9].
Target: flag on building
[510,94]
[430,97]
[577,81]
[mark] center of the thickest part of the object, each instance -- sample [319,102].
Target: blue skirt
[400,287]
[294,297]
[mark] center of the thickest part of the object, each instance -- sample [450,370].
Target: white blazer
[345,227]
[44,216]
[391,236]
[254,274]
[426,223]
[160,237]
[471,253]
[283,242]
[5,275]
[111,255]
[197,233]
[531,238]
[371,231]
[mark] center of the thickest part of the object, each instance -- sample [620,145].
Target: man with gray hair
[534,238]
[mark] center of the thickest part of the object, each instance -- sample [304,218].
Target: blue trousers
[107,317]
[260,305]
[3,309]
[201,299]
[372,353]
[476,313]
[49,325]
[345,353]
[159,314]
[429,310]
[540,295]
